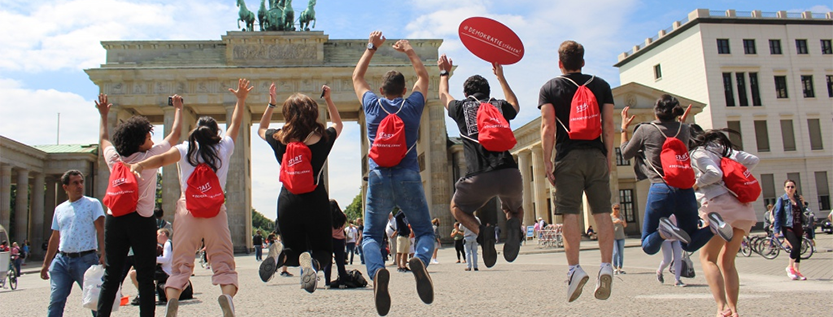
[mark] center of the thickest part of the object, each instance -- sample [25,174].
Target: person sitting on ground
[591,233]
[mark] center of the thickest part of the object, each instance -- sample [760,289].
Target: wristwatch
[443,73]
[371,47]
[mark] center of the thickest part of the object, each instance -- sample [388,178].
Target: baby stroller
[5,262]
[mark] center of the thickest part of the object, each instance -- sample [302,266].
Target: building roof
[723,17]
[68,148]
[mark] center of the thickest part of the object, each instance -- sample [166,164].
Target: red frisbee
[491,40]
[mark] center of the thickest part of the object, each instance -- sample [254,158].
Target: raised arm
[241,93]
[445,64]
[267,114]
[103,107]
[360,84]
[176,130]
[331,107]
[421,84]
[548,138]
[507,91]
[156,161]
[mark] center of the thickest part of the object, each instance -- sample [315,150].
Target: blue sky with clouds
[48,44]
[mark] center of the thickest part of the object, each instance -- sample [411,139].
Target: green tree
[354,210]
[259,221]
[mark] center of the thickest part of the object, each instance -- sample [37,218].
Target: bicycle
[745,247]
[772,247]
[11,275]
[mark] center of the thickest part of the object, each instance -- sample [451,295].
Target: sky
[48,44]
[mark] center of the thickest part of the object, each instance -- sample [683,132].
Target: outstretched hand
[273,94]
[243,88]
[402,46]
[327,92]
[176,101]
[626,121]
[497,69]
[377,38]
[103,105]
[445,63]
[685,114]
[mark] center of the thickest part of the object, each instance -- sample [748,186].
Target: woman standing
[304,220]
[718,256]
[206,146]
[457,234]
[339,218]
[788,222]
[619,225]
[436,224]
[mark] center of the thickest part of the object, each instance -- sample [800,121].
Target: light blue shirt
[75,222]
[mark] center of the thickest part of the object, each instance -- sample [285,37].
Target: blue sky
[48,44]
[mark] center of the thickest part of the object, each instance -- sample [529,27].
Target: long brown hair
[301,115]
[201,142]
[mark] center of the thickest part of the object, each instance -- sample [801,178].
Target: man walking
[257,243]
[399,185]
[582,166]
[352,235]
[77,232]
[490,173]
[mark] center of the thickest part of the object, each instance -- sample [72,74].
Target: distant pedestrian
[458,235]
[257,243]
[352,235]
[619,226]
[16,257]
[471,246]
[437,244]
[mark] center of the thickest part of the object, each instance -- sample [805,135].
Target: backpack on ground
[687,269]
[354,280]
[296,168]
[493,131]
[122,193]
[585,117]
[204,196]
[739,180]
[389,147]
[676,163]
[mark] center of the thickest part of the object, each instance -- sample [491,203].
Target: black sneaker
[309,277]
[380,291]
[486,238]
[135,301]
[512,245]
[425,287]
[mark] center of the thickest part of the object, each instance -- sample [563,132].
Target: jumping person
[490,173]
[131,143]
[304,219]
[398,183]
[208,153]
[582,164]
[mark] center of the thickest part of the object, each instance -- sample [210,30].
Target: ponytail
[201,142]
[668,108]
[716,137]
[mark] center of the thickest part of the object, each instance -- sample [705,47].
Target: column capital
[536,150]
[6,168]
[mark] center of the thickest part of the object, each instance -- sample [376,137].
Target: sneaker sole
[577,292]
[267,269]
[513,240]
[674,231]
[726,232]
[425,287]
[489,252]
[225,305]
[604,288]
[309,278]
[381,295]
[171,307]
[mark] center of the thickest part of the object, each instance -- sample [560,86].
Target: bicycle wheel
[806,249]
[770,250]
[12,279]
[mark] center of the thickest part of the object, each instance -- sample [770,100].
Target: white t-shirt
[224,150]
[352,232]
[167,258]
[147,183]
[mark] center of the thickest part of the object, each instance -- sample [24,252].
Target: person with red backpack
[576,111]
[722,191]
[301,147]
[203,163]
[130,202]
[392,122]
[664,143]
[483,123]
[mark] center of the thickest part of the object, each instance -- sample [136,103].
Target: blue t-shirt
[410,115]
[75,222]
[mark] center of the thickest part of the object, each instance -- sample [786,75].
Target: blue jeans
[388,188]
[618,252]
[471,253]
[360,251]
[351,249]
[62,273]
[258,252]
[663,201]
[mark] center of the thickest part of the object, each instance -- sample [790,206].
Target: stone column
[323,117]
[436,155]
[21,208]
[36,229]
[170,176]
[538,172]
[52,185]
[523,165]
[239,183]
[5,195]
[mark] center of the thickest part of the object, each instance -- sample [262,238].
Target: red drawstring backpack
[493,131]
[389,147]
[676,162]
[204,196]
[585,117]
[739,180]
[122,193]
[296,168]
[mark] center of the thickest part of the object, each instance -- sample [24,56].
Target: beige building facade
[768,75]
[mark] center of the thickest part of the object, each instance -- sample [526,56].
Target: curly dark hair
[475,84]
[131,134]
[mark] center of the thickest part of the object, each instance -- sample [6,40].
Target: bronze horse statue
[307,16]
[245,16]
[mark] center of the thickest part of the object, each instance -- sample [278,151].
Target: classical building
[768,75]
[625,190]
[38,169]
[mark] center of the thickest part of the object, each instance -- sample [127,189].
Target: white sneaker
[434,261]
[576,279]
[669,230]
[719,227]
[679,284]
[604,282]
[171,307]
[226,304]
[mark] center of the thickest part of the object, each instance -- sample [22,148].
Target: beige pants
[218,247]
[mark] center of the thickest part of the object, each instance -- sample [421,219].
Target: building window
[736,138]
[621,161]
[728,91]
[761,136]
[742,89]
[788,135]
[830,85]
[781,87]
[807,86]
[768,189]
[626,204]
[815,134]
[823,190]
[797,178]
[753,85]
[775,47]
[723,46]
[801,46]
[657,72]
[826,47]
[749,46]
